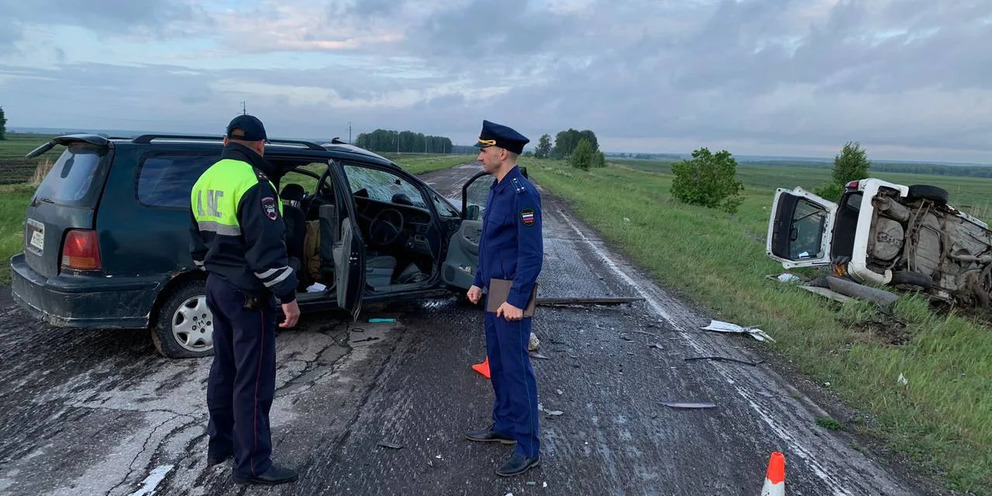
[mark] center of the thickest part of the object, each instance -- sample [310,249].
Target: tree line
[383,140]
[3,125]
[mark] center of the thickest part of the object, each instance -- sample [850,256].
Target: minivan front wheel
[184,325]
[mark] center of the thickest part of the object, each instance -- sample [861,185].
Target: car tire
[926,192]
[183,326]
[910,278]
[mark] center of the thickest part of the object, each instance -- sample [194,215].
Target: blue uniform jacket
[512,246]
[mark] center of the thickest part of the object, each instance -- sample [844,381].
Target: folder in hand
[499,291]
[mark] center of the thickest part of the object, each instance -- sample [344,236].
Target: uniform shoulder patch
[519,186]
[270,208]
[527,217]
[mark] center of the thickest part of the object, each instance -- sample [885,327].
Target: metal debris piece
[381,321]
[724,359]
[688,406]
[390,445]
[754,332]
[554,413]
[535,354]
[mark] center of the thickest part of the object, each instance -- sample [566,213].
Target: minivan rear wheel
[935,194]
[184,324]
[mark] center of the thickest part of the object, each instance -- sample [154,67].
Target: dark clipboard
[499,291]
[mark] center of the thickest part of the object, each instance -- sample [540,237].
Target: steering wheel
[386,227]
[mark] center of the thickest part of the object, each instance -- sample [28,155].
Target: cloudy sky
[910,79]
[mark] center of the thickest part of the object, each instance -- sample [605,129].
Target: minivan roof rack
[148,138]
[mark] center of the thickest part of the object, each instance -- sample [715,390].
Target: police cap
[502,136]
[247,128]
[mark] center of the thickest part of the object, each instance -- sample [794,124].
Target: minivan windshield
[76,178]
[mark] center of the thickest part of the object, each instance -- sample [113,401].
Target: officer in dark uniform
[511,247]
[238,237]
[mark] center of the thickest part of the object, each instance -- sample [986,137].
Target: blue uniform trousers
[242,378]
[514,384]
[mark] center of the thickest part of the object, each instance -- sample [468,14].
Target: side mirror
[472,212]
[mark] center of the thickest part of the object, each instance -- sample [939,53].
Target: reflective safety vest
[238,232]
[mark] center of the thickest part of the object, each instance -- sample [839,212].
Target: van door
[349,249]
[462,258]
[66,201]
[800,228]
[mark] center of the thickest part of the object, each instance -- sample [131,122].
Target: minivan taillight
[81,250]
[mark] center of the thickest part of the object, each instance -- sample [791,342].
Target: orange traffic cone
[482,368]
[775,477]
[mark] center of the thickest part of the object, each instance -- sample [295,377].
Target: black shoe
[217,458]
[517,464]
[489,436]
[274,475]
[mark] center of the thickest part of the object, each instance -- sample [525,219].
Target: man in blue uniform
[511,248]
[238,237]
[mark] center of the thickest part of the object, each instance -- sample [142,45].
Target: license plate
[37,235]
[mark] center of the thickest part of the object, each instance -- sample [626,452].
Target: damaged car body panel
[883,233]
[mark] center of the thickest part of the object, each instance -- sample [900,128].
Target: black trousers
[242,378]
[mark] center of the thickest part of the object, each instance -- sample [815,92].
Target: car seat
[296,226]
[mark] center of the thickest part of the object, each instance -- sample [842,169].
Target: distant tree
[850,164]
[708,180]
[3,125]
[599,159]
[584,156]
[567,141]
[543,147]
[382,140]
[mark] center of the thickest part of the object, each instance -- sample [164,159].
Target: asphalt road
[100,413]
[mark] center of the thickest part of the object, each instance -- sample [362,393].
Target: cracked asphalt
[370,409]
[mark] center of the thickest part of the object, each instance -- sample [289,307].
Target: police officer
[239,239]
[511,248]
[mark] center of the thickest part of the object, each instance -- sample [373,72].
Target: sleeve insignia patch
[527,216]
[270,208]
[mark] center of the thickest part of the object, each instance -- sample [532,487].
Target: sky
[909,79]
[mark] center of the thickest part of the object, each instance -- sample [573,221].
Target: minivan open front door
[463,250]
[349,250]
[800,227]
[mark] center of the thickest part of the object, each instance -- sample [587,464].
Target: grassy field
[420,164]
[14,168]
[13,205]
[970,194]
[942,418]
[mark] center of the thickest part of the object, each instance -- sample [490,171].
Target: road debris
[554,413]
[727,327]
[601,300]
[688,406]
[381,321]
[902,381]
[785,277]
[724,359]
[656,345]
[533,343]
[537,355]
[386,444]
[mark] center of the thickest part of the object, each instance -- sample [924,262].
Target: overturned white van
[886,234]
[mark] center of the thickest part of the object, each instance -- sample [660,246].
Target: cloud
[757,75]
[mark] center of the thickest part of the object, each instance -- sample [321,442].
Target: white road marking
[153,480]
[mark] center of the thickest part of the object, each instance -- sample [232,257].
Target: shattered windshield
[806,234]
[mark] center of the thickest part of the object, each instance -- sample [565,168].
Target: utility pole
[243,110]
[349,131]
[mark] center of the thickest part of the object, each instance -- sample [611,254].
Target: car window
[478,194]
[77,177]
[444,208]
[166,180]
[808,222]
[383,186]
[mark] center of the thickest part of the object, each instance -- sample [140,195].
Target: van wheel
[184,326]
[932,193]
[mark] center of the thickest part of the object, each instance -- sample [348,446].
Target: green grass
[13,206]
[942,417]
[14,168]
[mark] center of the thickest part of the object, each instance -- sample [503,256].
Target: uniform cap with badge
[502,136]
